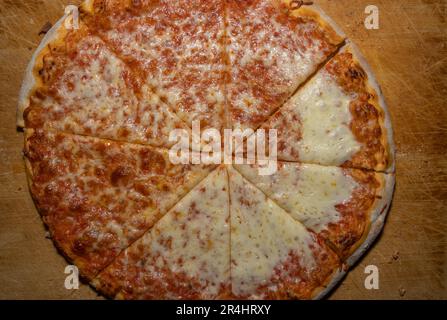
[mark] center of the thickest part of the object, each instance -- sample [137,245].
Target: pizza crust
[374,212]
[325,20]
[28,168]
[317,13]
[64,251]
[31,79]
[378,215]
[320,292]
[380,104]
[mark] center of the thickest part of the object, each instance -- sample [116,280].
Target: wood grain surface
[409,57]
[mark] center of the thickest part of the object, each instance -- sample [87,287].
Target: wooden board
[409,56]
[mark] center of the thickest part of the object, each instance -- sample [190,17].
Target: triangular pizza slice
[338,118]
[336,203]
[77,84]
[97,196]
[177,48]
[273,256]
[273,47]
[186,255]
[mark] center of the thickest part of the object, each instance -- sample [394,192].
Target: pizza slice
[97,196]
[186,255]
[273,47]
[175,46]
[273,256]
[338,118]
[341,205]
[76,84]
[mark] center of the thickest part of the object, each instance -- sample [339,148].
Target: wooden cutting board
[409,56]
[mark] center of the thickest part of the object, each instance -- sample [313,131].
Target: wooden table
[409,56]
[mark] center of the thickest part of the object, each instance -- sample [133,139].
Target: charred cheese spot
[121,176]
[152,161]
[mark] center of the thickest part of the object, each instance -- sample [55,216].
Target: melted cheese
[96,99]
[308,192]
[95,92]
[265,52]
[325,115]
[319,118]
[197,230]
[262,237]
[187,71]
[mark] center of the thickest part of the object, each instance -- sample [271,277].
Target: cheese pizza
[98,107]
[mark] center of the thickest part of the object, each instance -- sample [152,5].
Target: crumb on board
[296,4]
[402,291]
[394,257]
[46,27]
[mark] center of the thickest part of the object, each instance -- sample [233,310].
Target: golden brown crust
[308,11]
[357,214]
[47,63]
[368,123]
[326,283]
[61,247]
[384,160]
[378,182]
[377,214]
[328,30]
[32,79]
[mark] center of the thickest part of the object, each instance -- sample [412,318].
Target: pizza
[98,107]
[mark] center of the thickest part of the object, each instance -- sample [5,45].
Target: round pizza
[102,96]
